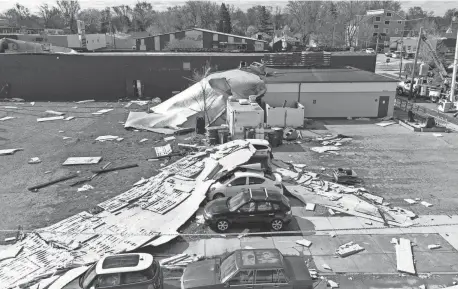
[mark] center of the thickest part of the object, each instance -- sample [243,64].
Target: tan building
[385,23]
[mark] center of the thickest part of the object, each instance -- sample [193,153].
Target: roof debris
[81,161]
[106,138]
[404,256]
[102,111]
[49,118]
[348,249]
[7,118]
[34,160]
[85,101]
[9,151]
[304,242]
[54,112]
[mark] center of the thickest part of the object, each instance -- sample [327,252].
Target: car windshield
[228,268]
[236,201]
[88,277]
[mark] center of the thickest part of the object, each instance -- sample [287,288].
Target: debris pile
[179,261]
[133,219]
[331,143]
[348,249]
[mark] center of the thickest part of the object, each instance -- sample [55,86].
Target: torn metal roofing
[149,214]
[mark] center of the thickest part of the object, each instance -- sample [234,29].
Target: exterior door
[247,214]
[235,186]
[383,103]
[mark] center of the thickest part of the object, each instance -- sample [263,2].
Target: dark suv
[249,206]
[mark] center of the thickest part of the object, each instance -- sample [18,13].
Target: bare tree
[143,15]
[124,14]
[351,15]
[307,17]
[17,13]
[47,14]
[69,10]
[202,99]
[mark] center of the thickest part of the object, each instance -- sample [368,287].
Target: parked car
[388,54]
[249,268]
[232,183]
[124,271]
[370,50]
[256,206]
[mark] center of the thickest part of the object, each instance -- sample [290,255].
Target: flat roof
[320,75]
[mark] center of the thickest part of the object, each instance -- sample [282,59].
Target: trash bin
[278,132]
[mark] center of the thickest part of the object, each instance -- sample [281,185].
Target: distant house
[202,38]
[284,43]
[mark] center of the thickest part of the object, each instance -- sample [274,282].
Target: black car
[247,207]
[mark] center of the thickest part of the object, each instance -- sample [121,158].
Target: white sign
[163,151]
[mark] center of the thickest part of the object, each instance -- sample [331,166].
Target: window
[215,37]
[248,208]
[279,277]
[399,22]
[108,280]
[264,206]
[377,19]
[136,277]
[255,181]
[239,182]
[387,22]
[374,34]
[375,26]
[264,276]
[242,277]
[276,206]
[314,101]
[388,14]
[186,65]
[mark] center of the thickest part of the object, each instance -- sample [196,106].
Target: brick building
[385,23]
[202,38]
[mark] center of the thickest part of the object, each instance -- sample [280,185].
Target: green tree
[224,24]
[49,16]
[92,20]
[143,15]
[264,22]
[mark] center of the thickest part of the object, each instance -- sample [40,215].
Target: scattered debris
[346,176]
[68,277]
[85,101]
[48,172]
[170,138]
[332,234]
[376,199]
[139,102]
[434,246]
[143,140]
[11,252]
[313,273]
[66,137]
[426,204]
[410,201]
[331,212]
[243,233]
[102,111]
[188,146]
[34,160]
[383,124]
[119,139]
[11,107]
[50,118]
[422,286]
[140,182]
[69,118]
[368,223]
[37,187]
[9,151]
[177,261]
[10,239]
[106,138]
[82,161]
[437,135]
[7,118]
[304,242]
[54,112]
[404,257]
[85,188]
[163,150]
[325,149]
[331,283]
[310,207]
[114,169]
[326,266]
[348,249]
[394,241]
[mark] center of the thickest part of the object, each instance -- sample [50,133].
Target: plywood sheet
[82,161]
[68,277]
[404,256]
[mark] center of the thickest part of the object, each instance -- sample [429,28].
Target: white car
[233,183]
[370,50]
[262,147]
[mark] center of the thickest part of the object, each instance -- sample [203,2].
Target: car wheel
[277,224]
[222,225]
[218,196]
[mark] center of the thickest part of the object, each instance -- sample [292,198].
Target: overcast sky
[439,7]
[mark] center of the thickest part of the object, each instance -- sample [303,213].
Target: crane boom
[442,71]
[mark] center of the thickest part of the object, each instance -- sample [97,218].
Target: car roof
[249,173]
[255,141]
[259,259]
[122,263]
[264,195]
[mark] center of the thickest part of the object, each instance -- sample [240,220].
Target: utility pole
[402,49]
[376,45]
[455,63]
[333,33]
[415,61]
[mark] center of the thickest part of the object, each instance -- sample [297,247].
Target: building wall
[104,76]
[333,99]
[364,62]
[392,26]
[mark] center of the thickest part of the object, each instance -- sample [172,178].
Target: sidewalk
[379,256]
